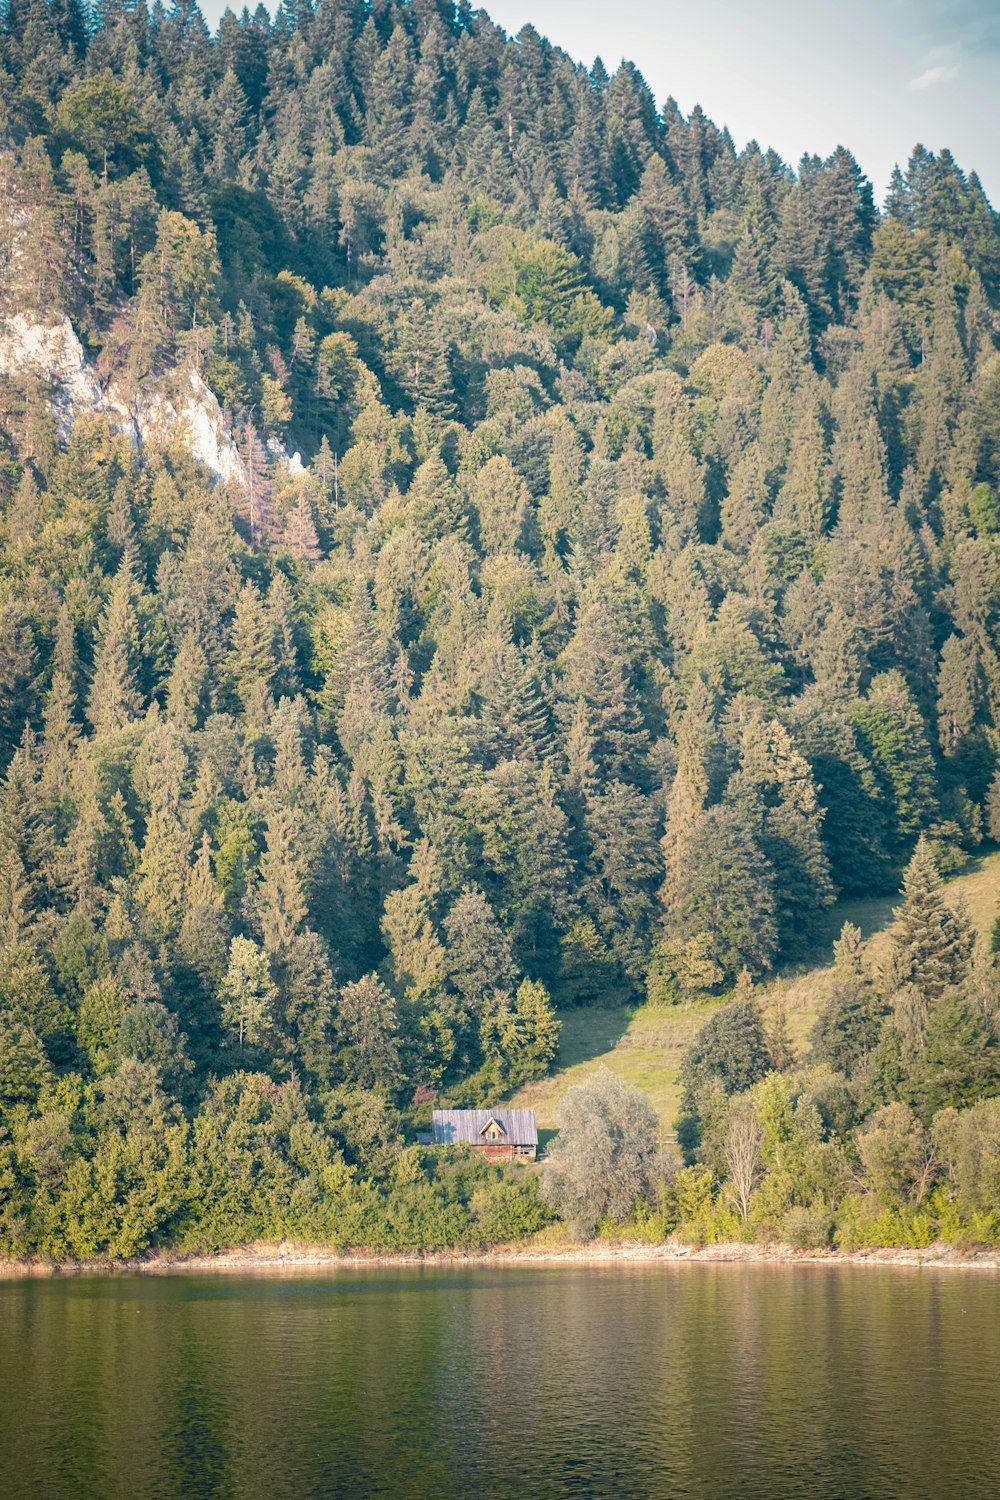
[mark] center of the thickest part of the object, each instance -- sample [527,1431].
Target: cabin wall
[499,1152]
[505,1152]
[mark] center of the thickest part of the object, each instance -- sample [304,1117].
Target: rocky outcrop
[54,353]
[197,422]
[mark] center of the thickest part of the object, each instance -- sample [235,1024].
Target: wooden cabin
[499,1134]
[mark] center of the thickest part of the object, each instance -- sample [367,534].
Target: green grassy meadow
[645,1044]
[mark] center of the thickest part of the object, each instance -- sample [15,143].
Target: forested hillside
[636,595]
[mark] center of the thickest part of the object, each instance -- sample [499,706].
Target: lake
[503,1382]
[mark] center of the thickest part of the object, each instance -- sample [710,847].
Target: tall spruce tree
[934,939]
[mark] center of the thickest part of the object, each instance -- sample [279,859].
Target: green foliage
[730,1050]
[607,1158]
[247,993]
[635,595]
[543,283]
[726,896]
[518,1036]
[935,942]
[849,1024]
[101,116]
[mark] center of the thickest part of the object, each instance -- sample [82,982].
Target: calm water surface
[612,1382]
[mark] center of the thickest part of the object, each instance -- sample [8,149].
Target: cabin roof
[466,1126]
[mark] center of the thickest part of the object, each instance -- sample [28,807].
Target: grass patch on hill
[645,1044]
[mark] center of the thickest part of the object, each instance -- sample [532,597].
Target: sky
[876,76]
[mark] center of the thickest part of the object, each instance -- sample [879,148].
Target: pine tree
[255,490]
[368,1027]
[805,495]
[281,892]
[620,827]
[896,742]
[746,502]
[247,993]
[387,112]
[299,534]
[102,1009]
[934,940]
[774,794]
[252,661]
[163,873]
[753,276]
[26,842]
[958,691]
[959,1062]
[308,997]
[849,1024]
[409,928]
[115,698]
[186,683]
[503,506]
[359,659]
[662,203]
[519,1035]
[631,125]
[726,893]
[525,859]
[696,747]
[598,676]
[479,962]
[514,715]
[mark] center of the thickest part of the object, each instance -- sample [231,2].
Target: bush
[808,1228]
[701,1217]
[510,1208]
[863,1225]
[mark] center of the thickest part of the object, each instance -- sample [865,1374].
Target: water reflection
[596,1382]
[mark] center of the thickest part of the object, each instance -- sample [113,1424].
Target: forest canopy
[634,597]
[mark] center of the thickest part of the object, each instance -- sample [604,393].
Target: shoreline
[291,1258]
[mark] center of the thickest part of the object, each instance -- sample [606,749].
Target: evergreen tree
[428,475]
[730,1049]
[115,697]
[163,873]
[418,958]
[479,960]
[368,1029]
[895,739]
[849,1024]
[753,276]
[934,940]
[725,892]
[519,1035]
[281,893]
[247,993]
[959,1062]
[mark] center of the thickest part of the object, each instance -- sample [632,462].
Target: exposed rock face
[197,422]
[54,352]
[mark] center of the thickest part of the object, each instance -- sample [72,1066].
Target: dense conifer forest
[633,596]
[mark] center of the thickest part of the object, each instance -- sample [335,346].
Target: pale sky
[802,75]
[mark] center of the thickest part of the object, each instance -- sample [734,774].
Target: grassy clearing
[645,1045]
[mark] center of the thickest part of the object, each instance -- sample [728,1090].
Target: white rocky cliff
[55,354]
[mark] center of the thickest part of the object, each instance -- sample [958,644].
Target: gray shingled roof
[452,1126]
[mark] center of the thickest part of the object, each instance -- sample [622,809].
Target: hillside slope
[645,1045]
[636,599]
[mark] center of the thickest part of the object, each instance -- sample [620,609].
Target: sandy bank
[290,1258]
